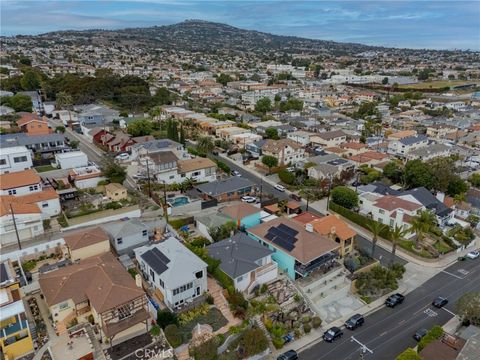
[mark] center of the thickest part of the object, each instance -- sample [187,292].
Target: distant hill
[204,36]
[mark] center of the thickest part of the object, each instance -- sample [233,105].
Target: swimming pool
[179,201]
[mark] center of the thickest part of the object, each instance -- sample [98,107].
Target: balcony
[262,270]
[14,327]
[322,262]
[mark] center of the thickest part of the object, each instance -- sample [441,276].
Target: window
[63,305]
[381,211]
[3,161]
[171,176]
[196,173]
[199,274]
[45,205]
[239,279]
[12,192]
[392,222]
[144,232]
[162,285]
[152,274]
[19,159]
[119,241]
[33,187]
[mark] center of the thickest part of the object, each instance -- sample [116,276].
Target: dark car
[332,334]
[354,322]
[289,355]
[440,302]
[420,333]
[394,300]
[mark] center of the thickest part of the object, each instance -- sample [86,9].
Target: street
[387,332]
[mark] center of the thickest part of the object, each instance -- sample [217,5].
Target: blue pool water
[179,201]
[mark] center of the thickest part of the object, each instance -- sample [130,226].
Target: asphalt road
[387,332]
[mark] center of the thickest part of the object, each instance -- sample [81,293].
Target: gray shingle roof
[22,139]
[219,187]
[124,227]
[409,140]
[238,254]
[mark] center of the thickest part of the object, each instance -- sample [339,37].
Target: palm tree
[376,228]
[422,224]
[205,144]
[396,234]
[65,100]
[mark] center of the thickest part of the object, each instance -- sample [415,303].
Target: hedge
[435,333]
[408,354]
[358,219]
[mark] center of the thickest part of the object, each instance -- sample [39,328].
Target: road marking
[384,333]
[449,311]
[401,322]
[430,312]
[456,276]
[463,271]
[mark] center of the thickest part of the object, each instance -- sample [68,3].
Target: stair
[261,325]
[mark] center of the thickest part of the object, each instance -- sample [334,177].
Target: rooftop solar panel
[154,262]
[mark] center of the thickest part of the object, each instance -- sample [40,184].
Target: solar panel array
[283,236]
[156,260]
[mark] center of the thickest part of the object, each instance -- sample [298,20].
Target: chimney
[399,217]
[138,280]
[441,196]
[309,227]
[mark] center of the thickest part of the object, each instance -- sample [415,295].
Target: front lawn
[44,168]
[214,318]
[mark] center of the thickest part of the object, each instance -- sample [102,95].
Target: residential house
[100,288]
[71,159]
[329,138]
[198,169]
[228,133]
[206,222]
[403,146]
[246,262]
[44,145]
[32,124]
[20,183]
[243,214]
[26,217]
[178,275]
[15,158]
[232,188]
[429,152]
[301,137]
[401,134]
[15,336]
[329,166]
[155,146]
[285,150]
[85,177]
[163,165]
[255,148]
[441,131]
[332,227]
[85,243]
[354,148]
[369,158]
[126,235]
[298,250]
[116,192]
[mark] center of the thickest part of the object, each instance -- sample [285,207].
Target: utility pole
[261,188]
[165,205]
[148,179]
[329,190]
[363,348]
[15,226]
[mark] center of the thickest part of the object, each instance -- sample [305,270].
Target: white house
[248,263]
[286,151]
[86,177]
[72,159]
[28,219]
[429,152]
[15,158]
[329,138]
[402,147]
[20,183]
[301,137]
[175,271]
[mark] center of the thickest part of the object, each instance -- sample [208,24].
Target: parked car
[473,254]
[122,156]
[462,258]
[280,188]
[249,199]
[236,173]
[420,333]
[354,322]
[288,338]
[289,355]
[291,169]
[140,176]
[439,302]
[332,334]
[394,300]
[215,152]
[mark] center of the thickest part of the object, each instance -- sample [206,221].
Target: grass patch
[44,168]
[442,247]
[366,299]
[213,317]
[132,272]
[410,247]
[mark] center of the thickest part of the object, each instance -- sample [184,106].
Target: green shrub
[29,265]
[278,342]
[316,322]
[306,319]
[178,223]
[307,328]
[155,330]
[286,176]
[344,196]
[209,299]
[114,205]
[435,333]
[165,318]
[173,335]
[222,278]
[253,342]
[192,314]
[408,354]
[206,350]
[133,272]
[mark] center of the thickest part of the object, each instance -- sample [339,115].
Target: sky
[440,24]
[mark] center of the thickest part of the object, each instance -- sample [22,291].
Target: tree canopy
[17,102]
[269,161]
[345,197]
[468,307]
[263,105]
[140,127]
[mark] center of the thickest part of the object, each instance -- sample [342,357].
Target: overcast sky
[437,24]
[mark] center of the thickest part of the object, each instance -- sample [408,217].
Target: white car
[249,199]
[236,173]
[279,188]
[473,254]
[123,156]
